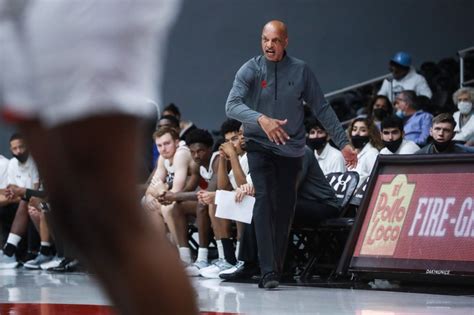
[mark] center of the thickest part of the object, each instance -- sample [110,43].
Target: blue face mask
[400,114]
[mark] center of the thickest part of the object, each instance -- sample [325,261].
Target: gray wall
[344,42]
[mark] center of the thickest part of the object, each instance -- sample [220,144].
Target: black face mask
[316,143]
[22,157]
[359,141]
[393,146]
[442,146]
[380,114]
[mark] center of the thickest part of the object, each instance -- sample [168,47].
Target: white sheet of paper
[227,208]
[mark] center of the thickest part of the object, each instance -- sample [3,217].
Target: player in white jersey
[76,76]
[175,172]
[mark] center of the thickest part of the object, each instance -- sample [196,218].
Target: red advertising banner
[420,216]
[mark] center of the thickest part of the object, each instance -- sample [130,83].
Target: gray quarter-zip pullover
[277,90]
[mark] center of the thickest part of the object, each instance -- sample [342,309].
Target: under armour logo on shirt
[341,185]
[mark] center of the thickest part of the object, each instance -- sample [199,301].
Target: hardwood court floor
[24,292]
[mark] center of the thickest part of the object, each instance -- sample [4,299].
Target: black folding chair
[331,234]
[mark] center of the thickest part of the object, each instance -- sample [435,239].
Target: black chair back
[344,184]
[359,194]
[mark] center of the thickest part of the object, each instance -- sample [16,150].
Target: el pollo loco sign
[388,217]
[420,216]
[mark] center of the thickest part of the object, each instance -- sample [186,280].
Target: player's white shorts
[65,60]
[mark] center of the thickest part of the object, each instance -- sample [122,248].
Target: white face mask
[400,114]
[465,107]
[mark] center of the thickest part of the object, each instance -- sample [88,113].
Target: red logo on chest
[264,84]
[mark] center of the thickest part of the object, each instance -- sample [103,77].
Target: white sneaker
[209,268]
[193,270]
[212,272]
[37,262]
[232,269]
[52,263]
[7,262]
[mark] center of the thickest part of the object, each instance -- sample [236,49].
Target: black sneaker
[270,280]
[62,265]
[67,265]
[240,271]
[73,266]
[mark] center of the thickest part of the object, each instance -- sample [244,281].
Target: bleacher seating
[442,77]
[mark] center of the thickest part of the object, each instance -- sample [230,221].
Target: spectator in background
[365,138]
[392,137]
[442,132]
[404,78]
[417,123]
[185,127]
[464,117]
[379,108]
[329,158]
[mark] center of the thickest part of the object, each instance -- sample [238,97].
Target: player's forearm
[239,175]
[222,176]
[191,184]
[185,196]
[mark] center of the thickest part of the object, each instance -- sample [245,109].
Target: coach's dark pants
[275,179]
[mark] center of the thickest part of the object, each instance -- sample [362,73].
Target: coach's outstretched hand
[350,156]
[273,129]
